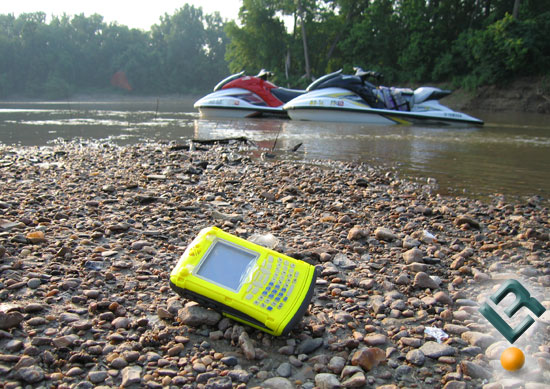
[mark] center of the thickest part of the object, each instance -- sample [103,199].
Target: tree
[190,49]
[468,42]
[350,13]
[260,42]
[376,40]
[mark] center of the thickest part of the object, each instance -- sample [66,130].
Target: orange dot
[512,359]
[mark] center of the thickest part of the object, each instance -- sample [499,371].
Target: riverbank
[89,235]
[529,95]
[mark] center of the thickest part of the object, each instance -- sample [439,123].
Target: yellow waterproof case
[246,282]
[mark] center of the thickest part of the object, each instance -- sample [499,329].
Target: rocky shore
[89,235]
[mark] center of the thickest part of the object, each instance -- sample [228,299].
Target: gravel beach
[90,233]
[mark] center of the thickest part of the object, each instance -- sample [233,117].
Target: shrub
[505,49]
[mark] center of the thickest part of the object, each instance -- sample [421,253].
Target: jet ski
[242,96]
[337,97]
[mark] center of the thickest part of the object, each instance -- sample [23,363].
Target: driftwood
[243,139]
[209,142]
[224,141]
[295,148]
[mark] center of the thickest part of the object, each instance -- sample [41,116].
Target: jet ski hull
[340,105]
[235,103]
[378,116]
[215,112]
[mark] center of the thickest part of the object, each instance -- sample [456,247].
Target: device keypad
[273,283]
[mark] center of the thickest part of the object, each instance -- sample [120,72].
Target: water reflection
[30,124]
[475,161]
[510,156]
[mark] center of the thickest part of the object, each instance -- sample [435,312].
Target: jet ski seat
[425,93]
[285,95]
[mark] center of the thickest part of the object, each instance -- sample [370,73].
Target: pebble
[455,329]
[423,280]
[326,381]
[69,317]
[74,372]
[336,364]
[383,233]
[478,339]
[494,351]
[309,345]
[443,298]
[10,319]
[413,255]
[455,385]
[97,377]
[121,322]
[230,361]
[34,283]
[82,325]
[119,363]
[357,380]
[240,375]
[435,350]
[411,342]
[474,370]
[416,357]
[219,383]
[277,383]
[131,375]
[163,313]
[196,315]
[33,307]
[284,370]
[375,339]
[31,374]
[247,346]
[88,285]
[368,358]
[357,233]
[467,220]
[14,345]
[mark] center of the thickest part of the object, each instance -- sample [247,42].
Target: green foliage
[182,54]
[376,40]
[467,43]
[260,43]
[544,86]
[56,88]
[505,49]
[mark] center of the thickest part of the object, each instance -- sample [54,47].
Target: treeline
[79,54]
[465,42]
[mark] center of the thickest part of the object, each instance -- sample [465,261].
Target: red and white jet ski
[242,96]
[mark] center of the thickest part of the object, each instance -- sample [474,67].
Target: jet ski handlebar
[367,74]
[264,74]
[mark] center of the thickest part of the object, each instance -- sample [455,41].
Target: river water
[509,156]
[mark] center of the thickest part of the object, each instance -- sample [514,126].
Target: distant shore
[529,95]
[89,235]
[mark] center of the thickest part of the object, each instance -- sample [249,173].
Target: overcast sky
[129,13]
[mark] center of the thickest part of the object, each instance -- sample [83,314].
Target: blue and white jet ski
[337,97]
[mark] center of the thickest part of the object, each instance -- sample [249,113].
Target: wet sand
[89,235]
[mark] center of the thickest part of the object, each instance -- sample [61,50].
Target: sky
[131,13]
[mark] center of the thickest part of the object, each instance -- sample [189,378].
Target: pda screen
[226,264]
